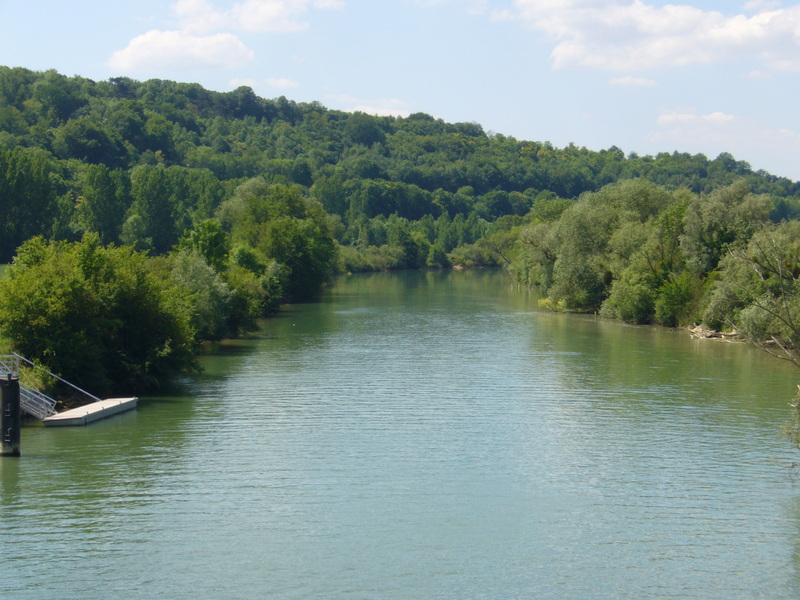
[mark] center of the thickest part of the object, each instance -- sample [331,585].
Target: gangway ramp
[43,407]
[35,403]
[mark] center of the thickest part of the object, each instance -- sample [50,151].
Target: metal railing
[35,403]
[32,401]
[9,365]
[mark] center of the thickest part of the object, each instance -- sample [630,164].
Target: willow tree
[759,296]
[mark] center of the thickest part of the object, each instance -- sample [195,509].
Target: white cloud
[633,35]
[282,83]
[716,132]
[669,118]
[718,118]
[195,46]
[335,4]
[472,7]
[276,16]
[168,51]
[629,81]
[270,15]
[198,16]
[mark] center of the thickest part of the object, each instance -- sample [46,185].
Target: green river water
[423,435]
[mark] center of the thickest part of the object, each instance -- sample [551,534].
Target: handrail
[9,363]
[32,401]
[61,379]
[35,403]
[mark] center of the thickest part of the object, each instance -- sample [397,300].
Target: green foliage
[547,207]
[104,199]
[676,299]
[266,199]
[27,198]
[210,295]
[370,258]
[373,197]
[153,206]
[551,305]
[437,257]
[581,270]
[758,293]
[57,97]
[97,316]
[640,253]
[717,223]
[283,225]
[210,241]
[362,129]
[254,295]
[631,297]
[535,258]
[89,142]
[470,256]
[417,165]
[304,250]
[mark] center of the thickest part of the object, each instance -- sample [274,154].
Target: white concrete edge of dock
[84,415]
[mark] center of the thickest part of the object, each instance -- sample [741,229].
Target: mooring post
[10,417]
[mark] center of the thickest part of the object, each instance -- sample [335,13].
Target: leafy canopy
[96,316]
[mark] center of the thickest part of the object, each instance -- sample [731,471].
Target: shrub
[99,317]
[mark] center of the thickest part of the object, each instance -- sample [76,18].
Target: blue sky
[648,76]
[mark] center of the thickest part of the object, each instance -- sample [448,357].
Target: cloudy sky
[648,76]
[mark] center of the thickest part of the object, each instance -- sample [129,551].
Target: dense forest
[143,218]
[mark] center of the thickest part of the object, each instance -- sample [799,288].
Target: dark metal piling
[10,417]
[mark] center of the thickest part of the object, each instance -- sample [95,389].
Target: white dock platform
[91,412]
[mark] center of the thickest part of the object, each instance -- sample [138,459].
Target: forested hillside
[239,203]
[144,162]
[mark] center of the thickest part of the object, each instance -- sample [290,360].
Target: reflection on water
[423,435]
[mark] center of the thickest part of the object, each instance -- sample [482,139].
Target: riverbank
[706,333]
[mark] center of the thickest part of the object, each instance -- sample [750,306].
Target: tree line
[221,206]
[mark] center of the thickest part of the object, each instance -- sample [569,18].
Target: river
[423,435]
